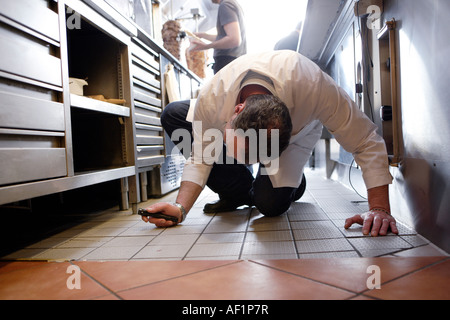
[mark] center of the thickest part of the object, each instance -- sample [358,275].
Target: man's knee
[168,114]
[173,117]
[272,206]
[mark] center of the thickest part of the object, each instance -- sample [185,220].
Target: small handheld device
[157,215]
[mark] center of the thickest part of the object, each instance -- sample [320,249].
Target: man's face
[237,144]
[237,147]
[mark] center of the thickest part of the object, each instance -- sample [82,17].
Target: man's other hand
[375,223]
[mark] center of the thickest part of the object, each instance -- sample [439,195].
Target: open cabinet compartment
[97,140]
[95,57]
[99,128]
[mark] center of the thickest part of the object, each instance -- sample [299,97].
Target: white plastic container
[76,86]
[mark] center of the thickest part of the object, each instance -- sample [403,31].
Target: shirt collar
[253,77]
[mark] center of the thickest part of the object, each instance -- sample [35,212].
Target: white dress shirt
[313,100]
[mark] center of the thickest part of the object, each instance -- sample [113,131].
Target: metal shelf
[30,190]
[98,105]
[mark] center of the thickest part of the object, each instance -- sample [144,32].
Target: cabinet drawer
[34,14]
[26,56]
[23,164]
[145,76]
[147,55]
[149,140]
[18,111]
[142,118]
[146,97]
[150,161]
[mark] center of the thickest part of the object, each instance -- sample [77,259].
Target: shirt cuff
[377,178]
[196,173]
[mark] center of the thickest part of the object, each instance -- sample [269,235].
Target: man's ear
[239,108]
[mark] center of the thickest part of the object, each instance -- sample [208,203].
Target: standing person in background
[230,41]
[290,42]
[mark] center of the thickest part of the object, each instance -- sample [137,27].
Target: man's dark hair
[266,112]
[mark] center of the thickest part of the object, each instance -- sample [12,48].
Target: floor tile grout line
[180,276]
[241,251]
[195,242]
[412,272]
[143,247]
[115,237]
[85,255]
[354,248]
[364,296]
[297,254]
[97,281]
[303,277]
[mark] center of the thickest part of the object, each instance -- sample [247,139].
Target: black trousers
[235,181]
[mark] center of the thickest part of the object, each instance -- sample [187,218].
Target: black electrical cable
[350,180]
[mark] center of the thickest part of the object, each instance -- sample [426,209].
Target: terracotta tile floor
[401,278]
[304,254]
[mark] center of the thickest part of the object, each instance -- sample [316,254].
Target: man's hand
[374,222]
[167,209]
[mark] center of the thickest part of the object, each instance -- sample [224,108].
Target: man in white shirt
[310,98]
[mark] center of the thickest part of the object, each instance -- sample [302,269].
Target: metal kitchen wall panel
[421,189]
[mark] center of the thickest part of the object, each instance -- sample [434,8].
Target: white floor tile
[312,228]
[112,253]
[174,239]
[259,236]
[326,245]
[319,233]
[268,247]
[371,243]
[160,251]
[215,250]
[227,237]
[329,255]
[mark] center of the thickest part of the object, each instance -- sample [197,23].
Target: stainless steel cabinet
[53,140]
[147,105]
[158,170]
[32,127]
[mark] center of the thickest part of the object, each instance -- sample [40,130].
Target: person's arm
[187,195]
[231,40]
[207,36]
[357,134]
[378,220]
[196,171]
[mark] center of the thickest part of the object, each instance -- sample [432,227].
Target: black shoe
[224,205]
[301,189]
